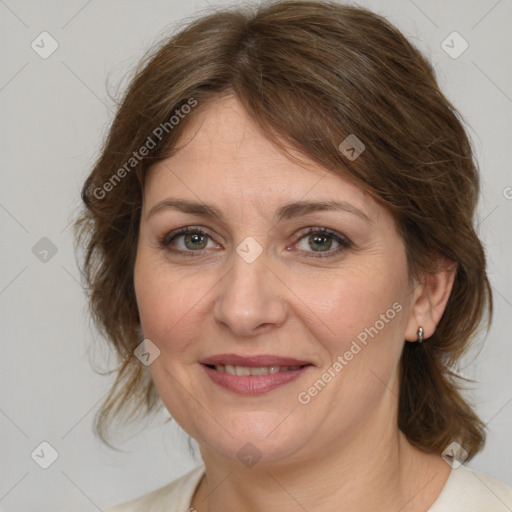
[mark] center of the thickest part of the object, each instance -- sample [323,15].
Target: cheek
[358,320]
[173,305]
[339,307]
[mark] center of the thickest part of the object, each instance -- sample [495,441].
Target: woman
[280,247]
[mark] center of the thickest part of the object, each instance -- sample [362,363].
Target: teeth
[242,370]
[228,369]
[260,370]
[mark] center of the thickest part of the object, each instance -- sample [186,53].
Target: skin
[341,451]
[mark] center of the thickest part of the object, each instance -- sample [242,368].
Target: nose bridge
[249,297]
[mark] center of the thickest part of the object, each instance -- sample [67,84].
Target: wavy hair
[308,73]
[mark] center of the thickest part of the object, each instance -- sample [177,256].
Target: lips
[253,374]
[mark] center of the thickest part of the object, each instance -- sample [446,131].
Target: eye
[188,239]
[316,242]
[322,241]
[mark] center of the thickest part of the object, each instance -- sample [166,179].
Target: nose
[251,298]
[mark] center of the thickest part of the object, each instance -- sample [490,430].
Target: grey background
[55,112]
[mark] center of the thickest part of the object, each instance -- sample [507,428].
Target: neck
[374,471]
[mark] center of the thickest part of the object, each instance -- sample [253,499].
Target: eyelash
[343,242]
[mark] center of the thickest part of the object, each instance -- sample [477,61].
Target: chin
[255,437]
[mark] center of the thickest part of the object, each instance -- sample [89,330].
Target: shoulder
[175,496]
[468,490]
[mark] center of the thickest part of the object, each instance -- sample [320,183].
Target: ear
[429,298]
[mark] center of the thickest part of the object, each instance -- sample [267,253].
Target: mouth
[254,374]
[254,370]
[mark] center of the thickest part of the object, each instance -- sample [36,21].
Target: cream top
[466,490]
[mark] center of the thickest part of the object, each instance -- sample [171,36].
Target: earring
[420,335]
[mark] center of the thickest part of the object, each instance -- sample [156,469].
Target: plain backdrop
[54,114]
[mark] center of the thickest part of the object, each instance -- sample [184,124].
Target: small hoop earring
[420,335]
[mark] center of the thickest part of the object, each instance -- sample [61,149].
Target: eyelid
[320,229]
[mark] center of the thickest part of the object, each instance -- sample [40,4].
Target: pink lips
[253,384]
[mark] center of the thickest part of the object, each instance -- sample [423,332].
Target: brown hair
[309,73]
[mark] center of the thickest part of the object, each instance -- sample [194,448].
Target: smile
[251,375]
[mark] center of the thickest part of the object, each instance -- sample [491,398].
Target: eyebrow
[285,212]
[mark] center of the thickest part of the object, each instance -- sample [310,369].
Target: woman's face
[267,279]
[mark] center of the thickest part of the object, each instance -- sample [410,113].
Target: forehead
[221,132]
[223,153]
